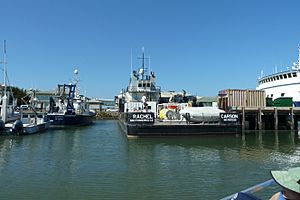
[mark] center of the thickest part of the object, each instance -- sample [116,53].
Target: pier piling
[243,118]
[268,118]
[259,119]
[275,118]
[292,118]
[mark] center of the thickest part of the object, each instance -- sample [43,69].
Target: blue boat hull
[296,103]
[70,120]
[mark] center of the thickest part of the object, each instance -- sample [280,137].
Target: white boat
[30,122]
[282,84]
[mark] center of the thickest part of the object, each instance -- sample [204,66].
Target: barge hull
[179,129]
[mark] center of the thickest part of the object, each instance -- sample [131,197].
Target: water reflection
[91,162]
[213,161]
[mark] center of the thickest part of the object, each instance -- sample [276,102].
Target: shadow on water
[258,139]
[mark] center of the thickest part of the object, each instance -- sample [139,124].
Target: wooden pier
[268,118]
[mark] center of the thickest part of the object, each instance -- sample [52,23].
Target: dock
[268,118]
[258,112]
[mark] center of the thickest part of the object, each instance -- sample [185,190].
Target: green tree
[20,95]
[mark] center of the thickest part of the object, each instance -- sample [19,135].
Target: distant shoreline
[100,115]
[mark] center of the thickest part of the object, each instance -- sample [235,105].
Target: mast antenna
[143,69]
[143,62]
[4,66]
[131,62]
[298,61]
[149,66]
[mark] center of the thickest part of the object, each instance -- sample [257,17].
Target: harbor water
[100,162]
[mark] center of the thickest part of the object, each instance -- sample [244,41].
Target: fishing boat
[26,120]
[69,108]
[282,84]
[30,122]
[142,113]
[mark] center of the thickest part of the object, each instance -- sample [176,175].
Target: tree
[20,95]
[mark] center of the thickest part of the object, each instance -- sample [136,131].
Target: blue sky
[202,46]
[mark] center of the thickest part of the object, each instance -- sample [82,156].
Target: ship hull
[35,128]
[176,128]
[70,120]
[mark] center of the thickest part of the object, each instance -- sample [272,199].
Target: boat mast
[143,62]
[4,98]
[298,61]
[76,79]
[143,69]
[131,71]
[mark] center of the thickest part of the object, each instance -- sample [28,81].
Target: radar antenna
[144,68]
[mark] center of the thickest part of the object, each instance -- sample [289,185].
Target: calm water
[99,162]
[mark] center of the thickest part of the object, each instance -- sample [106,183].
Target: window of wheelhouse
[294,74]
[282,94]
[289,75]
[284,75]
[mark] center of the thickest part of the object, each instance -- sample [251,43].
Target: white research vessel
[283,84]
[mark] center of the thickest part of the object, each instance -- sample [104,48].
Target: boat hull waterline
[176,128]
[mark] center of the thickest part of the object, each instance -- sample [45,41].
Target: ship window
[277,77]
[273,78]
[144,84]
[148,84]
[284,75]
[271,95]
[294,74]
[280,76]
[140,85]
[289,75]
[282,94]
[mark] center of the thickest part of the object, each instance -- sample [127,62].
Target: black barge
[146,125]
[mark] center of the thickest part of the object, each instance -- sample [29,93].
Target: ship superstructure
[282,84]
[142,93]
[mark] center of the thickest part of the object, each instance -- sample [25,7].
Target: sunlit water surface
[100,162]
